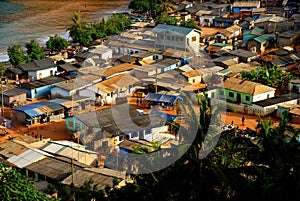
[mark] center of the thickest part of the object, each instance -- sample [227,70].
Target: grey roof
[84,55]
[243,53]
[278,62]
[15,70]
[13,92]
[107,116]
[38,65]
[80,176]
[164,63]
[161,28]
[276,100]
[42,82]
[53,168]
[68,67]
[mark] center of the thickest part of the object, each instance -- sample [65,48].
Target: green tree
[16,186]
[79,23]
[166,6]
[34,50]
[165,19]
[190,24]
[83,36]
[57,43]
[17,55]
[271,76]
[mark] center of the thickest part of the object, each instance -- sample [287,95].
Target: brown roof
[117,82]
[119,69]
[295,111]
[9,149]
[191,73]
[246,87]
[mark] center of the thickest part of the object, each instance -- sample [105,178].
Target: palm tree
[167,6]
[79,22]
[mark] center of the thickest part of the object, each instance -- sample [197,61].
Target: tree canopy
[34,50]
[57,43]
[16,186]
[17,55]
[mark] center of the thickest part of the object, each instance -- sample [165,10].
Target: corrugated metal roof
[264,38]
[161,28]
[39,108]
[26,158]
[54,148]
[161,98]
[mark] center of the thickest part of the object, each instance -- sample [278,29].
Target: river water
[25,20]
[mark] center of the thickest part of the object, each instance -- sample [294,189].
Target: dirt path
[250,120]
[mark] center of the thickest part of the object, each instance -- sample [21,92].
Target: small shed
[14,96]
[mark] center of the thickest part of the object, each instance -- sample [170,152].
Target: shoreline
[47,18]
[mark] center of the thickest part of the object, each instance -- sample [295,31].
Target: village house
[107,91]
[226,61]
[176,37]
[244,55]
[144,58]
[270,106]
[13,96]
[243,91]
[40,88]
[252,33]
[103,51]
[71,87]
[289,38]
[38,69]
[239,6]
[74,105]
[261,43]
[39,112]
[181,55]
[223,22]
[273,24]
[66,69]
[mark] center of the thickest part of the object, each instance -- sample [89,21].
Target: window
[51,72]
[105,144]
[231,94]
[247,98]
[221,93]
[194,38]
[193,80]
[70,124]
[168,37]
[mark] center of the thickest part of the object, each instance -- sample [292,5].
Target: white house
[39,69]
[176,37]
[103,51]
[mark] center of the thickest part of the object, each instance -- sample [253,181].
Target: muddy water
[24,20]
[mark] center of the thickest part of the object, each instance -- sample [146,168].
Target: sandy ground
[57,130]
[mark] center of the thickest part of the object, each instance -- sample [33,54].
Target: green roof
[263,38]
[220,44]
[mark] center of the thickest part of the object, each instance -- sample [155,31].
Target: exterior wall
[263,96]
[72,123]
[107,55]
[206,20]
[56,91]
[234,98]
[283,41]
[193,80]
[294,87]
[19,98]
[39,74]
[168,40]
[20,116]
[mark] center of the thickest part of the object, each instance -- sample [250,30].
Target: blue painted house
[40,88]
[244,5]
[223,22]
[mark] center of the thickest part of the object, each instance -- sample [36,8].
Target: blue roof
[58,100]
[163,98]
[166,116]
[39,108]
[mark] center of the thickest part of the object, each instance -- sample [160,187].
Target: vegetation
[16,186]
[165,19]
[271,76]
[84,33]
[190,24]
[57,43]
[17,55]
[34,50]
